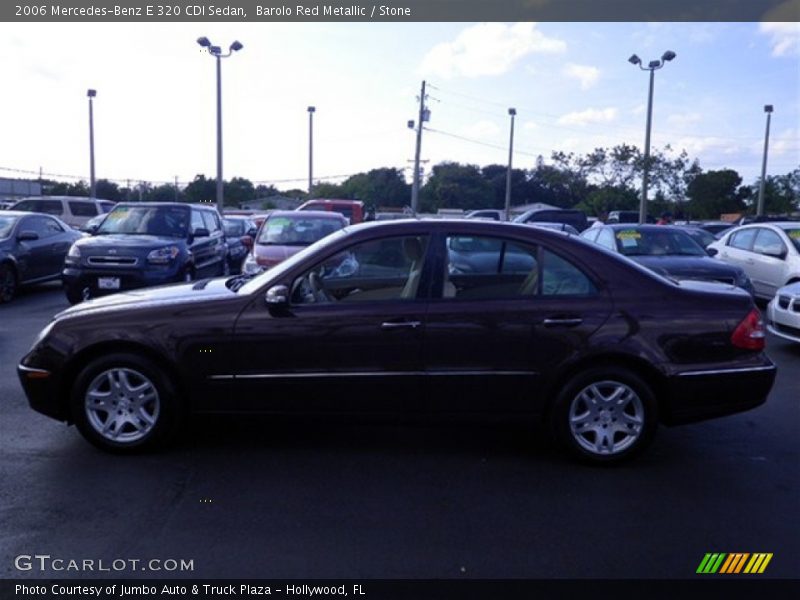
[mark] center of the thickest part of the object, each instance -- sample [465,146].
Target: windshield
[296,230]
[793,234]
[169,221]
[652,242]
[6,225]
[277,271]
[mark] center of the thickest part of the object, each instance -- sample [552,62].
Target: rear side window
[768,242]
[561,278]
[743,240]
[82,209]
[50,207]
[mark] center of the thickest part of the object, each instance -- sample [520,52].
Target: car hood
[126,241]
[195,291]
[793,289]
[690,267]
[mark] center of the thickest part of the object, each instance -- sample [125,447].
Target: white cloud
[529,126]
[699,146]
[784,37]
[590,115]
[587,75]
[785,143]
[488,49]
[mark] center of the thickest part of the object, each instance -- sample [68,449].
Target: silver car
[768,252]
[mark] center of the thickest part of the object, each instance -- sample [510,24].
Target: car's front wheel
[605,415]
[124,403]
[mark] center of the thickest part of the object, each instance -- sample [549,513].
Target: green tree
[496,176]
[238,190]
[714,193]
[378,187]
[107,190]
[453,185]
[328,190]
[201,189]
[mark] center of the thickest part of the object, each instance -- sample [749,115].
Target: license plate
[108,283]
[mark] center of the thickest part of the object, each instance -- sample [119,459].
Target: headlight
[162,256]
[250,266]
[74,251]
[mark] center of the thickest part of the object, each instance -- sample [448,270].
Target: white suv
[73,210]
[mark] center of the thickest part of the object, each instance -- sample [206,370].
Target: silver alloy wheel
[122,405]
[606,417]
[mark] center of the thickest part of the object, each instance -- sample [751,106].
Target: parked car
[92,224]
[286,232]
[576,218]
[669,250]
[6,204]
[240,232]
[375,319]
[702,236]
[715,227]
[353,210]
[557,226]
[145,244]
[768,252]
[783,313]
[32,249]
[73,210]
[487,213]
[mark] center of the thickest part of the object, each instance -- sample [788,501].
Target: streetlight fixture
[653,66]
[767,109]
[92,183]
[311,111]
[216,52]
[513,113]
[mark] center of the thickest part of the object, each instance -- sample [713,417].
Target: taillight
[749,334]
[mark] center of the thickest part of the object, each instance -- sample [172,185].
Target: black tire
[73,294]
[148,410]
[605,415]
[8,283]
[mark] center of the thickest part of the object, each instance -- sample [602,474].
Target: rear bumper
[705,394]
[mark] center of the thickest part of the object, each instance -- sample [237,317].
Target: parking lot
[291,498]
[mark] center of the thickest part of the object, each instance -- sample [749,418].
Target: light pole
[216,52]
[652,67]
[424,115]
[311,111]
[760,211]
[92,183]
[513,113]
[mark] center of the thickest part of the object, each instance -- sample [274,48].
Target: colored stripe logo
[734,563]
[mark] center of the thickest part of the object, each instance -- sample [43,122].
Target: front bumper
[697,395]
[130,279]
[42,389]
[784,321]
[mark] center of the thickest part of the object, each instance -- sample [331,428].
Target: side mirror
[27,236]
[201,232]
[277,295]
[712,251]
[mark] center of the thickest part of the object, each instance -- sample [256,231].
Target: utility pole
[422,117]
[92,183]
[513,113]
[311,111]
[760,211]
[176,188]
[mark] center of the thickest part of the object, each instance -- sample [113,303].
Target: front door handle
[400,325]
[562,322]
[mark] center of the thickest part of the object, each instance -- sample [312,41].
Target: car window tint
[378,270]
[6,225]
[234,227]
[51,207]
[768,242]
[210,220]
[561,278]
[743,240]
[606,239]
[591,234]
[480,267]
[197,220]
[26,205]
[794,237]
[82,209]
[43,226]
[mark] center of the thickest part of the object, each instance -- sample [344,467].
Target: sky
[571,84]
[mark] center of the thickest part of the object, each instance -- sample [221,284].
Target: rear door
[507,314]
[769,262]
[739,250]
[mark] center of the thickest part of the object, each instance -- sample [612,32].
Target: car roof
[646,227]
[322,214]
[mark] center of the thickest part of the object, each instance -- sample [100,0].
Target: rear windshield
[648,242]
[168,221]
[296,230]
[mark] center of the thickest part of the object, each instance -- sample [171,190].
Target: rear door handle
[562,322]
[400,325]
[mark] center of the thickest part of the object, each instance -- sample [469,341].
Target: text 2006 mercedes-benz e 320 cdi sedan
[413,317]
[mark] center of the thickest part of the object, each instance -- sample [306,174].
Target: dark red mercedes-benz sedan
[436,317]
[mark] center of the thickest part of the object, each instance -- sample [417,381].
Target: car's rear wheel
[124,403]
[8,283]
[605,415]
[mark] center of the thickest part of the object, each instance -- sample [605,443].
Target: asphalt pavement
[291,498]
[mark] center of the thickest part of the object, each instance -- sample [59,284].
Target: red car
[286,232]
[353,210]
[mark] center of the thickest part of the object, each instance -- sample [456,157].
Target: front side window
[377,270]
[743,240]
[211,221]
[43,226]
